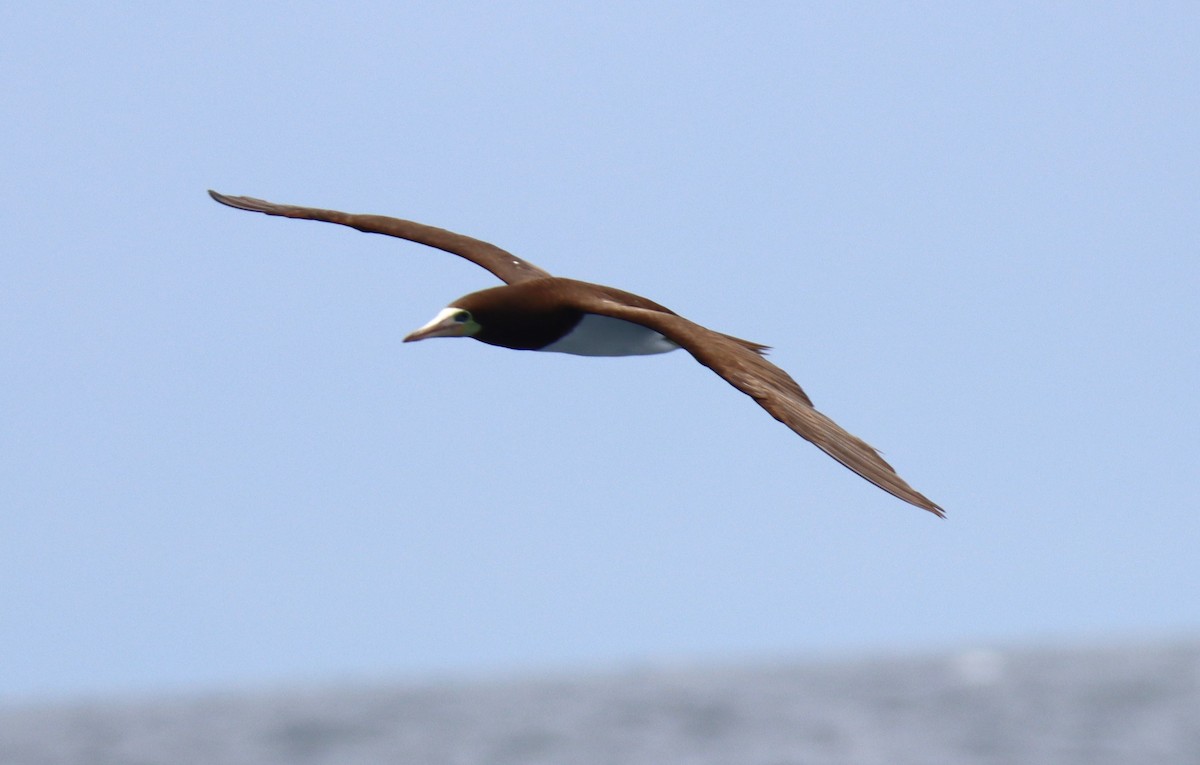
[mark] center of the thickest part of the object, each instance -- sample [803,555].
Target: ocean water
[1134,704]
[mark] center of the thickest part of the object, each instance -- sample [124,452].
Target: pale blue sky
[971,232]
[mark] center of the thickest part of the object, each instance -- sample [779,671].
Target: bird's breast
[596,335]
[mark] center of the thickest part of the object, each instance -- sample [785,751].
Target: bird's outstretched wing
[774,390]
[508,267]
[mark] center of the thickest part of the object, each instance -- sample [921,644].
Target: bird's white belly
[605,336]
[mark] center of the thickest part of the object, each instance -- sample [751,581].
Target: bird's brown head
[451,321]
[522,316]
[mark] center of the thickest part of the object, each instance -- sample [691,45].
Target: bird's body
[542,314]
[539,312]
[604,336]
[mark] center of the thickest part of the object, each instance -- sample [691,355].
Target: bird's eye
[462,317]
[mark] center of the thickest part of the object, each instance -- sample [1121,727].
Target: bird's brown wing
[772,388]
[508,267]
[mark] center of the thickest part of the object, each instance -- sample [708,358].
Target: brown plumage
[537,311]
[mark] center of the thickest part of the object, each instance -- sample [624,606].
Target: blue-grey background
[969,230]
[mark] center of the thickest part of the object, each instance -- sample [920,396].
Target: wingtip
[244,203]
[219,197]
[917,499]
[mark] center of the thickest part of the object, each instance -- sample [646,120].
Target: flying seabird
[535,311]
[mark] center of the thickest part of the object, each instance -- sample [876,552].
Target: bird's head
[451,321]
[520,316]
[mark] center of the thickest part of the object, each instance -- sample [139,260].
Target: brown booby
[535,311]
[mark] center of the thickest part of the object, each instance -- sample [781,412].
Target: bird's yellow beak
[447,323]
